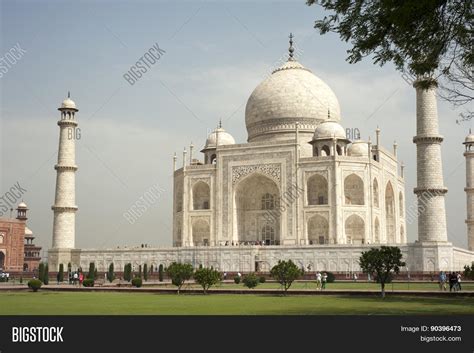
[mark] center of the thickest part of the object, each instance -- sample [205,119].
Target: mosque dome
[329,130]
[358,149]
[219,137]
[292,93]
[68,103]
[22,205]
[28,231]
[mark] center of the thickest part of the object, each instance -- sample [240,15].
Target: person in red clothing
[81,278]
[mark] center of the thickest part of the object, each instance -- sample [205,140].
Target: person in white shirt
[318,280]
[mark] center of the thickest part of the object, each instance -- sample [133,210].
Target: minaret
[469,154]
[64,203]
[430,188]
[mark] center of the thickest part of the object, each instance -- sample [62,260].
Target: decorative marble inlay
[271,170]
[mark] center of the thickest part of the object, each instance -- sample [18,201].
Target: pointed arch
[400,204]
[355,229]
[390,213]
[377,230]
[317,190]
[318,230]
[354,190]
[201,232]
[201,196]
[375,192]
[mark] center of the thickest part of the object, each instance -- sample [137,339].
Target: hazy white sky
[216,54]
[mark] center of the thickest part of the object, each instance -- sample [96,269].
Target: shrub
[61,273]
[127,272]
[110,273]
[331,278]
[160,273]
[21,279]
[179,273]
[88,282]
[207,277]
[145,272]
[46,274]
[41,271]
[91,273]
[237,279]
[35,284]
[137,282]
[262,279]
[285,273]
[251,280]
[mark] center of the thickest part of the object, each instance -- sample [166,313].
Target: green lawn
[77,303]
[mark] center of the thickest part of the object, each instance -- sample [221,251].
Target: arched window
[376,193]
[201,232]
[390,213]
[213,159]
[1,238]
[268,234]
[355,230]
[339,150]
[376,230]
[325,151]
[317,190]
[354,190]
[318,230]
[201,196]
[268,202]
[400,203]
[315,152]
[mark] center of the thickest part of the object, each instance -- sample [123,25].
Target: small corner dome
[329,130]
[469,138]
[68,103]
[22,205]
[28,231]
[219,137]
[358,149]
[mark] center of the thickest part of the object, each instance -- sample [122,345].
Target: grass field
[90,303]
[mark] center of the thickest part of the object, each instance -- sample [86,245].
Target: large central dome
[292,93]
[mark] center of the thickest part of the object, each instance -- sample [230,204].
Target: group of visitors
[321,280]
[76,278]
[454,280]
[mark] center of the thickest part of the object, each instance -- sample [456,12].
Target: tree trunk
[383,290]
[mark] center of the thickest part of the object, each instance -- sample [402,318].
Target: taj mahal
[297,189]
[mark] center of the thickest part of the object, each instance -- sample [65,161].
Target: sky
[216,53]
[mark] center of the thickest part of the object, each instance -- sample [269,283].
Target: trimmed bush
[262,279]
[160,273]
[137,282]
[251,280]
[88,282]
[331,277]
[237,279]
[46,274]
[35,284]
[145,272]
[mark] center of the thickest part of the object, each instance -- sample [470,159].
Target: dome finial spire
[69,94]
[220,123]
[291,49]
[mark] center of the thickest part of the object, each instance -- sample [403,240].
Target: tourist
[76,277]
[57,277]
[225,276]
[324,280]
[452,281]
[458,277]
[318,280]
[81,278]
[355,277]
[442,281]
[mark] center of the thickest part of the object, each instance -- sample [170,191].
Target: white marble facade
[297,189]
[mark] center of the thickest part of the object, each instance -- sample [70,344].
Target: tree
[285,273]
[139,271]
[69,268]
[251,280]
[145,272]
[110,273]
[425,38]
[382,263]
[160,273]
[46,274]
[91,273]
[41,272]
[207,277]
[127,272]
[61,273]
[179,273]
